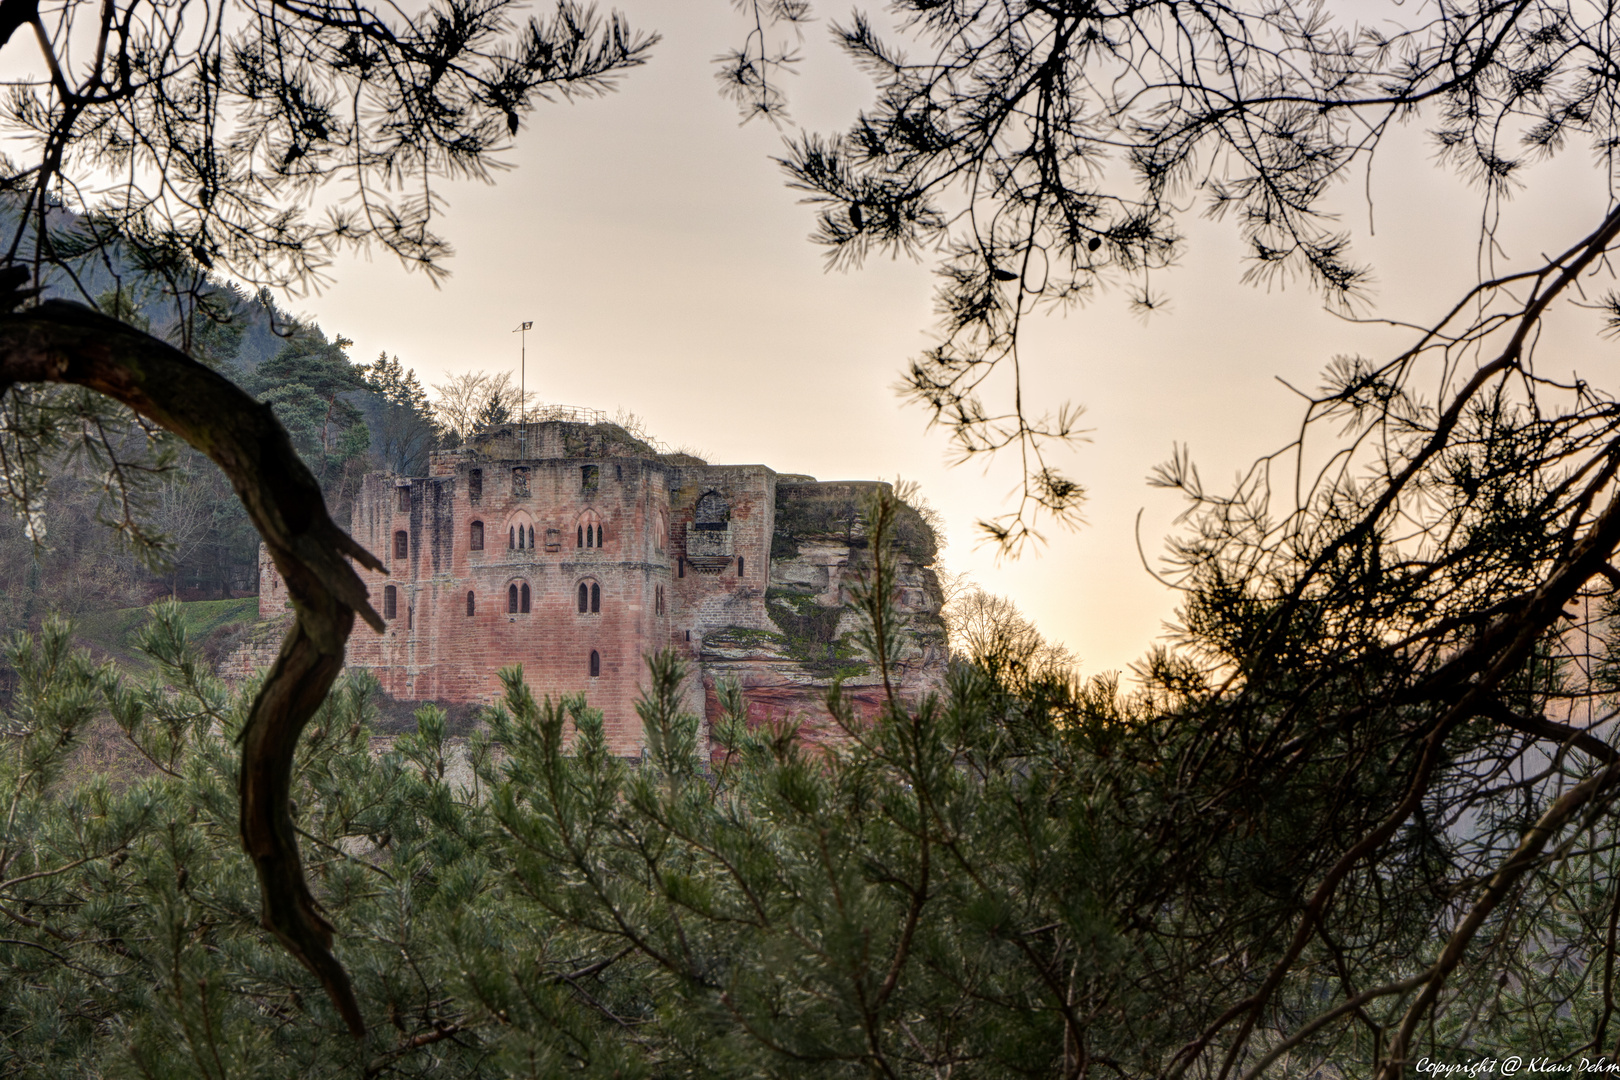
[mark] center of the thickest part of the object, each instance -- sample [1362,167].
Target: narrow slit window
[584,597]
[402,544]
[596,663]
[471,607]
[511,599]
[478,536]
[523,600]
[579,536]
[596,598]
[739,566]
[409,612]
[390,601]
[680,566]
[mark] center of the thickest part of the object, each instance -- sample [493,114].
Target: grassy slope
[115,633]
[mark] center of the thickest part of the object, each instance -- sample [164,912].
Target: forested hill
[344,417]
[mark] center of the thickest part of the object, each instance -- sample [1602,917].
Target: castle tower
[589,549]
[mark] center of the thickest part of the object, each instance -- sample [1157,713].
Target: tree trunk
[62,342]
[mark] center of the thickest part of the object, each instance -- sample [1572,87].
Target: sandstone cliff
[819,548]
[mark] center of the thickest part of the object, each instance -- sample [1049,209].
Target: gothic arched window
[584,598]
[470,606]
[596,663]
[523,599]
[596,598]
[511,537]
[531,537]
[511,599]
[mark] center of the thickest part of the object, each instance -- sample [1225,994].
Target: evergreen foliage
[1025,877]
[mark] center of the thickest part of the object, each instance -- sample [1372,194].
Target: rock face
[818,549]
[576,550]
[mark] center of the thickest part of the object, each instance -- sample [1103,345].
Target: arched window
[660,531]
[596,598]
[511,599]
[523,599]
[471,607]
[402,544]
[520,537]
[584,598]
[478,536]
[511,537]
[531,537]
[390,601]
[588,533]
[596,663]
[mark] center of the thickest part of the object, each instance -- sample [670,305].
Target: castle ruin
[576,549]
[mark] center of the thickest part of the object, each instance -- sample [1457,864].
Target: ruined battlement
[575,549]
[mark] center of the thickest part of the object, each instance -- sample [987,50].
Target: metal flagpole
[523,393]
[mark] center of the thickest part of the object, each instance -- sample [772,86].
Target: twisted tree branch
[62,342]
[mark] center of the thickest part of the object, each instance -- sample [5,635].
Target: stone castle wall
[672,553]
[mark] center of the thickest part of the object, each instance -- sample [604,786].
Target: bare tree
[183,511]
[475,400]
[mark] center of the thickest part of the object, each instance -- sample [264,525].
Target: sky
[665,265]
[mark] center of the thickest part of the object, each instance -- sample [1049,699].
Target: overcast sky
[665,266]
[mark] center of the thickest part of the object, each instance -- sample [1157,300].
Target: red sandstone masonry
[658,521]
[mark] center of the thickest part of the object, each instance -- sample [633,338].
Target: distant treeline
[345,419]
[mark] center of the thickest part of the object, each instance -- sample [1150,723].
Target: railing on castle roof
[569,414]
[578,414]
